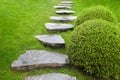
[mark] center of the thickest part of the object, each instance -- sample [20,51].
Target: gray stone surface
[33,59]
[65,12]
[62,7]
[66,5]
[58,27]
[51,76]
[63,18]
[67,2]
[54,41]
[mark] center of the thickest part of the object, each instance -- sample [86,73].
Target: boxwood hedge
[95,47]
[97,12]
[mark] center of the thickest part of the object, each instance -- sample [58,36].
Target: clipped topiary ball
[98,12]
[95,47]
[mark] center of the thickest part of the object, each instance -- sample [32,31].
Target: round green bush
[98,12]
[95,47]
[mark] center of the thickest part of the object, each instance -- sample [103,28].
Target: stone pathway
[63,18]
[51,76]
[55,41]
[65,12]
[62,7]
[55,27]
[34,59]
[66,5]
[67,2]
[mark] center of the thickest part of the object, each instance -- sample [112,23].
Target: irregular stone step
[66,5]
[51,76]
[33,59]
[58,27]
[62,7]
[65,12]
[63,18]
[54,41]
[67,2]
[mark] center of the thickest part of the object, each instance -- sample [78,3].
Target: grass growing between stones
[21,20]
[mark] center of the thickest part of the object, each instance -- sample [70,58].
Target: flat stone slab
[51,76]
[58,27]
[63,18]
[33,59]
[62,7]
[54,41]
[67,2]
[65,12]
[66,5]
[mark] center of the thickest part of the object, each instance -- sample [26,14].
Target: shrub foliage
[95,47]
[98,12]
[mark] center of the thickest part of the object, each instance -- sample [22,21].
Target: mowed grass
[21,20]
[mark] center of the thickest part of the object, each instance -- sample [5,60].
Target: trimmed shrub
[95,47]
[98,12]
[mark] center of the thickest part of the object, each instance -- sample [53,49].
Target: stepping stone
[62,7]
[51,76]
[66,5]
[33,59]
[54,41]
[65,12]
[67,2]
[58,27]
[63,18]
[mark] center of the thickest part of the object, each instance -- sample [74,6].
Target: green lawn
[21,20]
